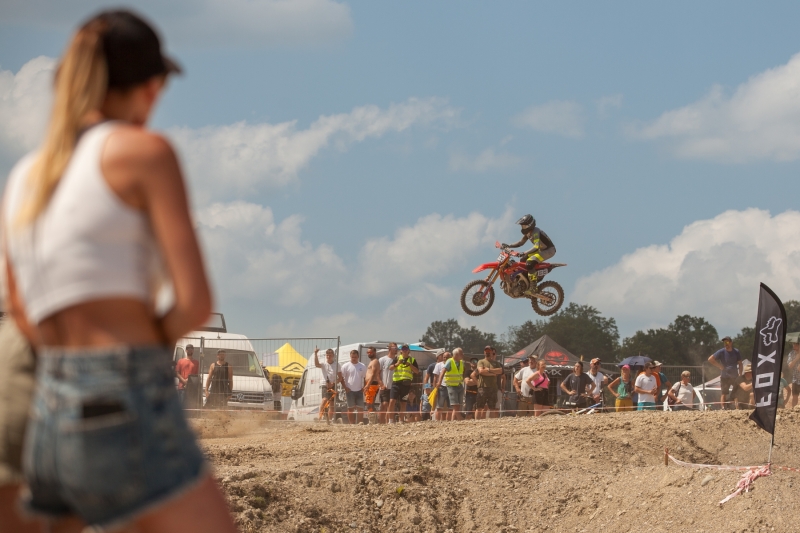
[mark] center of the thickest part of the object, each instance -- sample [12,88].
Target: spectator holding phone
[539,384]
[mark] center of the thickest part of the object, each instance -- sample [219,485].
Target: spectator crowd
[393,388]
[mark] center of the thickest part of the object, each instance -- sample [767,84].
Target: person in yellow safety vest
[404,367]
[453,377]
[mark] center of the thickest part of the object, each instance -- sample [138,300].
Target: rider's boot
[532,288]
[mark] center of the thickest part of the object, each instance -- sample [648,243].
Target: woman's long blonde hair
[80,87]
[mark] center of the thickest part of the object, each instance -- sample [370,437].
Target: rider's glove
[503,245]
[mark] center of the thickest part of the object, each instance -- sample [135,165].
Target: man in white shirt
[387,374]
[328,368]
[524,395]
[353,376]
[646,387]
[598,379]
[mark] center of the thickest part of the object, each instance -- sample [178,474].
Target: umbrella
[636,360]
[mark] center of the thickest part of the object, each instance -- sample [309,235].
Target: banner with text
[768,358]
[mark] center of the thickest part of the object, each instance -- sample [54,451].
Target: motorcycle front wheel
[555,294]
[473,301]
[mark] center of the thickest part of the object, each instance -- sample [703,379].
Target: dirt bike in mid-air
[478,296]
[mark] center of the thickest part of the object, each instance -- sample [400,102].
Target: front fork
[490,279]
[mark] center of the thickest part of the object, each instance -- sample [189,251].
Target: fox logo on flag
[770,332]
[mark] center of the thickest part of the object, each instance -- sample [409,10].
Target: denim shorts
[107,438]
[442,398]
[355,398]
[455,395]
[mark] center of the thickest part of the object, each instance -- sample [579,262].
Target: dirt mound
[557,473]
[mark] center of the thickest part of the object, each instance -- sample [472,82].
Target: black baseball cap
[726,339]
[133,50]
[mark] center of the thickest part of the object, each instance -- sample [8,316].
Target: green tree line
[583,330]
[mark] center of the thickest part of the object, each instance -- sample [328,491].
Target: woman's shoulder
[128,143]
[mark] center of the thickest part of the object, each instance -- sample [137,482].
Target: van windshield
[243,363]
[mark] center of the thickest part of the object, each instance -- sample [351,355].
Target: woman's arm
[612,388]
[671,394]
[141,167]
[14,305]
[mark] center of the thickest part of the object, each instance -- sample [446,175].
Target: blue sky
[352,162]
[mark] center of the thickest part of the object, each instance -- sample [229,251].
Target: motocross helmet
[527,222]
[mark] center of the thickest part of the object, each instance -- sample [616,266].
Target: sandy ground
[557,473]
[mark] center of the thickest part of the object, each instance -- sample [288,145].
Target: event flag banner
[768,358]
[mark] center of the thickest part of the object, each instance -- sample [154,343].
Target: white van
[251,389]
[307,392]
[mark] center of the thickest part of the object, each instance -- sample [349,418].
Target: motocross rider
[542,249]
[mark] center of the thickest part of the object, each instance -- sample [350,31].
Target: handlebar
[506,249]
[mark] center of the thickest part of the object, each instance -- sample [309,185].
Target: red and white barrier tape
[745,483]
[713,467]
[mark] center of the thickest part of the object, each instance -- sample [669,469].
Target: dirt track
[558,473]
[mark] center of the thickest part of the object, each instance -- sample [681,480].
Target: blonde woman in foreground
[88,219]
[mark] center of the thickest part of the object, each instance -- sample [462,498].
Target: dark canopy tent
[554,354]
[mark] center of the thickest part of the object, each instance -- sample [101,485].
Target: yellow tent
[290,367]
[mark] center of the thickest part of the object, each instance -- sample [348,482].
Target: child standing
[425,405]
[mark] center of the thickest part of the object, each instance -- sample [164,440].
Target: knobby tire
[486,307]
[551,310]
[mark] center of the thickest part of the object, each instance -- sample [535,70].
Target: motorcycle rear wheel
[481,304]
[556,293]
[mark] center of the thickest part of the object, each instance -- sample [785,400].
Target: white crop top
[86,245]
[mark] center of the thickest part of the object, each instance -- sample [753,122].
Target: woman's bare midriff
[108,322]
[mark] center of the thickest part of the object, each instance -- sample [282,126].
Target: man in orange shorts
[374,383]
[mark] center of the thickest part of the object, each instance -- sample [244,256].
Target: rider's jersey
[538,238]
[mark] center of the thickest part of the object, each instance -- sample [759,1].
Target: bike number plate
[501,257]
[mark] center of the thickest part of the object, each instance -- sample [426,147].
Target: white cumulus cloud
[206,22]
[487,160]
[241,157]
[25,99]
[760,120]
[403,318]
[430,249]
[277,283]
[712,269]
[561,117]
[253,256]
